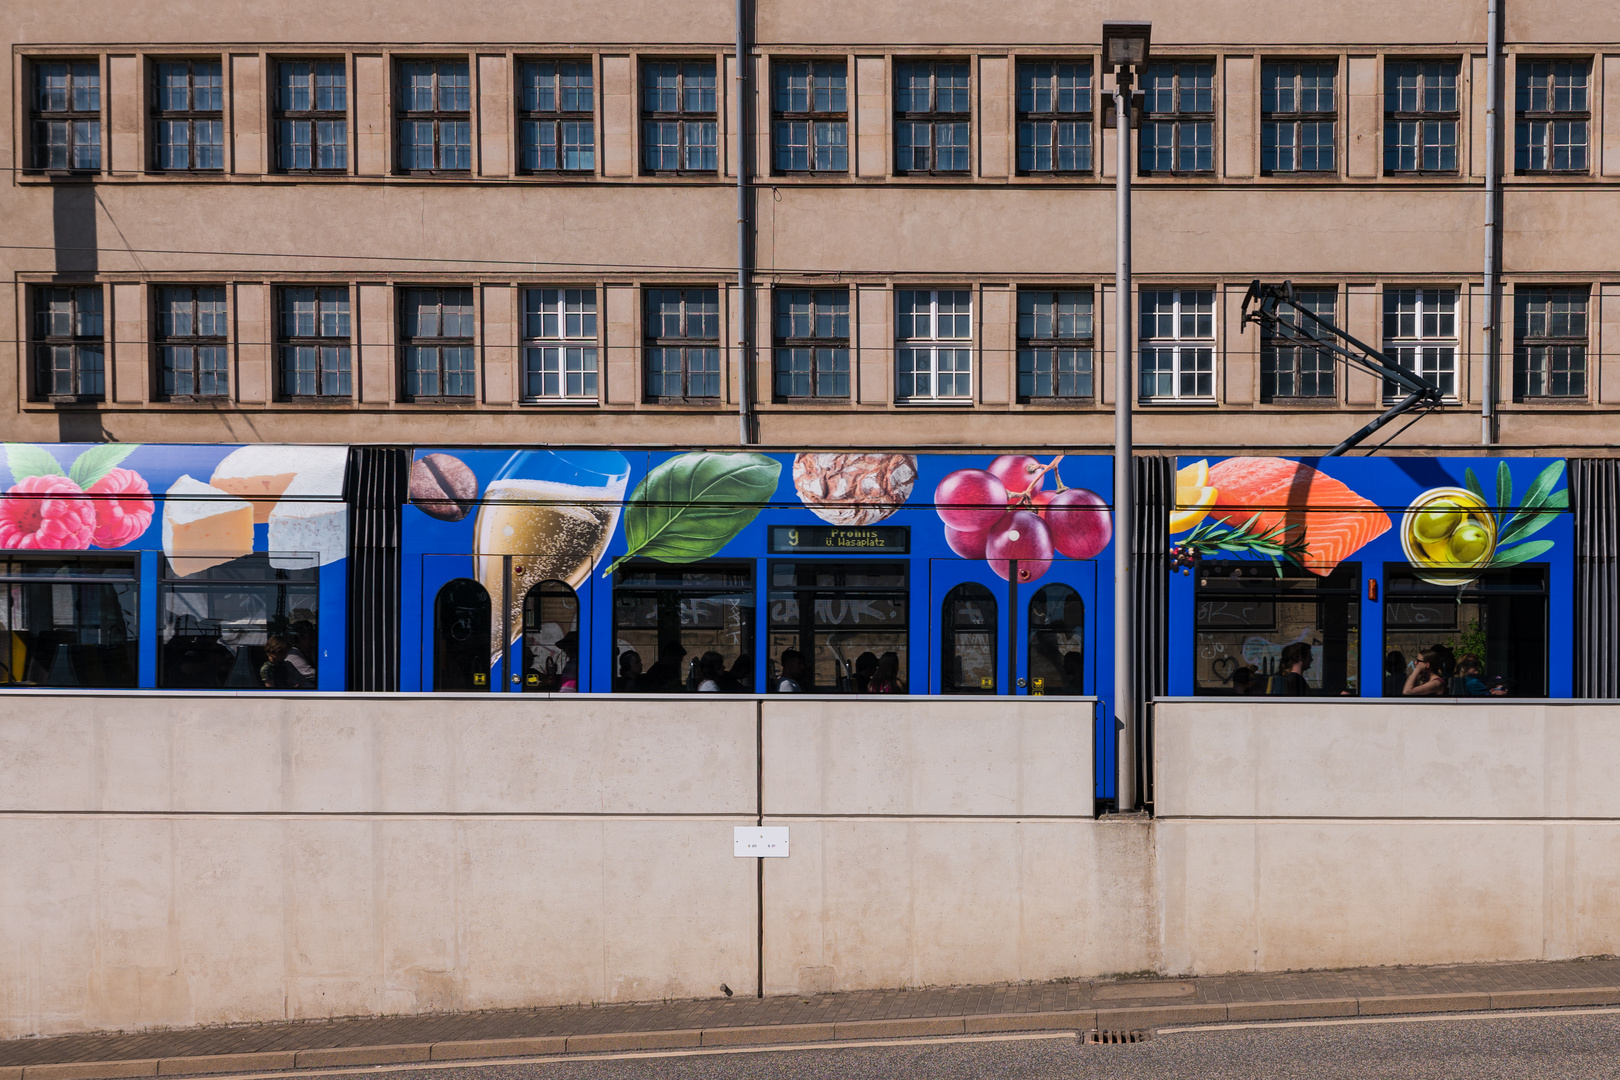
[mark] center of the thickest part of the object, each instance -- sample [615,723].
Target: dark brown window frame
[42,341]
[1303,116]
[38,116]
[680,116]
[439,341]
[652,341]
[1523,341]
[933,117]
[311,116]
[780,342]
[811,116]
[1178,117]
[1423,116]
[558,116]
[1054,118]
[191,115]
[1533,116]
[438,116]
[194,341]
[1054,344]
[286,341]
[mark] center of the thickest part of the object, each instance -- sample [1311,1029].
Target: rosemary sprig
[1276,543]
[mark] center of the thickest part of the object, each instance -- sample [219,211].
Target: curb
[546,1046]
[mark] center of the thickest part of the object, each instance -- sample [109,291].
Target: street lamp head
[1125,44]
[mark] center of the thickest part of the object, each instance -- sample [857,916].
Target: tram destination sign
[804,539]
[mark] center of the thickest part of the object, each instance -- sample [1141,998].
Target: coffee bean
[443,487]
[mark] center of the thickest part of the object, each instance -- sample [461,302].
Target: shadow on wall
[74,231]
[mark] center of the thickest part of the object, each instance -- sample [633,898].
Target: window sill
[212,399]
[812,402]
[1177,403]
[935,403]
[1568,401]
[461,401]
[434,174]
[687,403]
[1323,402]
[71,400]
[1057,402]
[333,401]
[552,403]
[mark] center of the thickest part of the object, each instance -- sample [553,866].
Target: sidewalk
[1078,1005]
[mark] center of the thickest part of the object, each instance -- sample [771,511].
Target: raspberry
[123,508]
[45,513]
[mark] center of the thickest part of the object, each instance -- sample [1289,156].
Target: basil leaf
[97,462]
[1504,488]
[1525,524]
[25,461]
[1543,485]
[691,506]
[1514,556]
[1471,482]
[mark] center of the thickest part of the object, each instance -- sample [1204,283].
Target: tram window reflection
[218,619]
[461,627]
[551,639]
[968,641]
[670,617]
[842,617]
[1499,620]
[1057,641]
[1247,613]
[68,621]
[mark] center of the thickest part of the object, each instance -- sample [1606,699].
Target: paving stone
[634,1040]
[361,1055]
[497,1048]
[91,1070]
[1291,1010]
[1158,1016]
[1038,1021]
[269,1061]
[775,1033]
[908,1028]
[1555,998]
[1423,1003]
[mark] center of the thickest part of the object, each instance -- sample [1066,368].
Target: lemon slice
[1195,475]
[1192,504]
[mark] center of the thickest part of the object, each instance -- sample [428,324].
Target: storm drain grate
[1117,1038]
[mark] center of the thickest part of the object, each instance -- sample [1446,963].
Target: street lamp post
[1125,48]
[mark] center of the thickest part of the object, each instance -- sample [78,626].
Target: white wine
[552,531]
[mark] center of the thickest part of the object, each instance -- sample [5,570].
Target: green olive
[1469,543]
[1437,521]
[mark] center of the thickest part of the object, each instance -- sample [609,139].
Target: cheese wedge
[301,528]
[204,526]
[262,474]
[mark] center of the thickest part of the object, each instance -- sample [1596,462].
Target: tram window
[551,639]
[218,620]
[68,621]
[1057,641]
[968,641]
[842,617]
[461,621]
[1500,619]
[1246,615]
[671,617]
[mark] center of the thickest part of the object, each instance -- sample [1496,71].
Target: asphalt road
[1567,1045]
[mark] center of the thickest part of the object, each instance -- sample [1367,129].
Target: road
[1571,1044]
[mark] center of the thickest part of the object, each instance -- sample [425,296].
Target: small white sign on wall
[770,842]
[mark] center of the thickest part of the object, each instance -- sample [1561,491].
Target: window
[1420,116]
[935,361]
[967,641]
[1500,619]
[1178,121]
[70,355]
[68,620]
[1549,343]
[1420,335]
[190,340]
[1057,642]
[842,618]
[1054,344]
[550,646]
[1178,345]
[437,344]
[67,115]
[461,637]
[1246,613]
[1554,112]
[435,117]
[313,343]
[672,618]
[683,345]
[559,344]
[810,124]
[931,117]
[1291,370]
[812,343]
[556,117]
[1297,109]
[1054,117]
[219,613]
[188,116]
[312,118]
[678,117]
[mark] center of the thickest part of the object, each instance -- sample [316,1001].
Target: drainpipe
[744,309]
[1493,313]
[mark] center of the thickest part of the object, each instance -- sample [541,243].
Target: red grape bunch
[1005,513]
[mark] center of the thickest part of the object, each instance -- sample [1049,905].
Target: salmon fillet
[1335,521]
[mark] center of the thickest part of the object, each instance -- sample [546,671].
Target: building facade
[225,224]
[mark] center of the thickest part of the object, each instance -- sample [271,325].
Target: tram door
[1055,631]
[497,623]
[968,636]
[989,635]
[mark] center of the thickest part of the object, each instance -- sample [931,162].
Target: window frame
[191,115]
[1391,392]
[313,116]
[933,117]
[563,342]
[1178,343]
[1179,117]
[556,117]
[39,116]
[1054,344]
[1523,341]
[1423,117]
[439,342]
[811,116]
[195,341]
[1524,118]
[1297,117]
[1268,343]
[78,343]
[287,341]
[1053,117]
[933,345]
[681,116]
[685,343]
[781,343]
[438,116]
